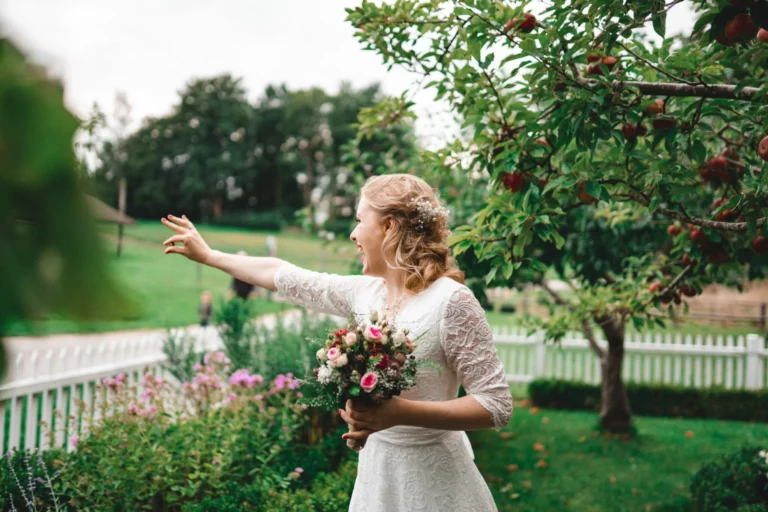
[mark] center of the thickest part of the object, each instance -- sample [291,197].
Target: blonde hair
[418,244]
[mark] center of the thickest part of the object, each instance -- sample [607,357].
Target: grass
[166,289]
[584,470]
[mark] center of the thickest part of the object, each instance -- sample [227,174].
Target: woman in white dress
[417,456]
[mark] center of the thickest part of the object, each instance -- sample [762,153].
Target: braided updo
[418,242]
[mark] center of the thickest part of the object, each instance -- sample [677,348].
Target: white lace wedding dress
[404,468]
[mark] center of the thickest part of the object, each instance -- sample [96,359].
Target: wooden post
[754,366]
[762,315]
[121,207]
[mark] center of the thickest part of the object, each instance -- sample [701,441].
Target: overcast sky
[150,48]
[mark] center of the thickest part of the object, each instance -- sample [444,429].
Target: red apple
[688,290]
[655,287]
[762,35]
[741,28]
[717,164]
[594,69]
[543,182]
[731,154]
[664,124]
[698,235]
[629,131]
[609,62]
[642,130]
[584,196]
[542,141]
[760,244]
[655,108]
[527,24]
[762,148]
[513,181]
[688,261]
[593,58]
[674,230]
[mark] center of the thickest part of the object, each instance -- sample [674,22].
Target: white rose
[384,339]
[341,360]
[398,339]
[350,338]
[322,355]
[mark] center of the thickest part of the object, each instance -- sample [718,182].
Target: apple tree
[629,162]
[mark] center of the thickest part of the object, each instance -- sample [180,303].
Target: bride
[417,456]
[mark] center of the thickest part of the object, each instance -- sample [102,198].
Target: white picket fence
[693,361]
[732,362]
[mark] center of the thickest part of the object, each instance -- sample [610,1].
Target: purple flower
[280,381]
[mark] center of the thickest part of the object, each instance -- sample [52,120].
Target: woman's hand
[194,246]
[367,419]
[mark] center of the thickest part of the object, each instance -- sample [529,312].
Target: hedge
[657,400]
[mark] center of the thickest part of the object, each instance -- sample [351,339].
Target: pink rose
[368,382]
[372,334]
[333,353]
[350,338]
[409,344]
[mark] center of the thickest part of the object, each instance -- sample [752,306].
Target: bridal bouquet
[364,363]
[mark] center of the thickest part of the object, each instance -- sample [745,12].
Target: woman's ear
[388,225]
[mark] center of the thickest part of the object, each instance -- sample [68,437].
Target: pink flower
[350,338]
[368,382]
[280,381]
[197,367]
[333,353]
[409,344]
[258,397]
[74,441]
[372,333]
[231,397]
[299,470]
[342,360]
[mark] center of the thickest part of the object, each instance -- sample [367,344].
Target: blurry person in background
[240,288]
[205,311]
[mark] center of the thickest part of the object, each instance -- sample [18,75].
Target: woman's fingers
[173,226]
[173,239]
[176,249]
[359,421]
[183,221]
[358,435]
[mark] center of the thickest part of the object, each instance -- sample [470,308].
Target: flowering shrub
[736,482]
[165,446]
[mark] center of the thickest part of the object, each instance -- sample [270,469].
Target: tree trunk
[615,413]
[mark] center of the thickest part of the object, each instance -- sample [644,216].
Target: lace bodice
[454,334]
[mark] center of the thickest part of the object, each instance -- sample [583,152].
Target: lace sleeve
[471,352]
[317,291]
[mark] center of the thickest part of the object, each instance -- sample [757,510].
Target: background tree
[50,254]
[633,169]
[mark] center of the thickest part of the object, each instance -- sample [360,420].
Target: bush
[736,482]
[328,492]
[656,400]
[171,447]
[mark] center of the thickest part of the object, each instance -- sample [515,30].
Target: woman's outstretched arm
[316,291]
[259,271]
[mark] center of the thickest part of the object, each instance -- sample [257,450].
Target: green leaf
[559,240]
[491,275]
[354,390]
[660,21]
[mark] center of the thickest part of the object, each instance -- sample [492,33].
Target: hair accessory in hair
[425,214]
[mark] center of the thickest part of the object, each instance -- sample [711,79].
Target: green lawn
[585,471]
[166,288]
